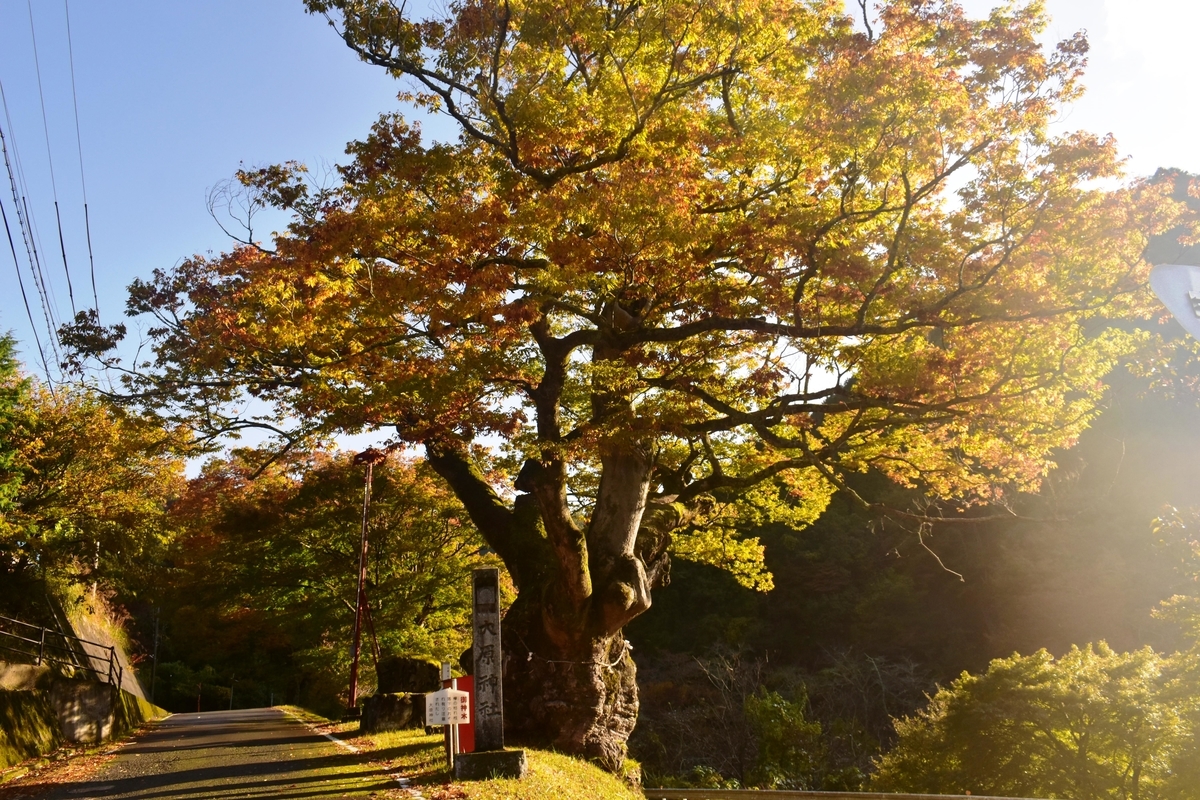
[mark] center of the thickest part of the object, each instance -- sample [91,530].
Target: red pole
[358,607]
[370,457]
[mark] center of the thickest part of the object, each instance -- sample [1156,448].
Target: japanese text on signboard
[447,707]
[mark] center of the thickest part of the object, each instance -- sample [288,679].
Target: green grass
[552,776]
[422,759]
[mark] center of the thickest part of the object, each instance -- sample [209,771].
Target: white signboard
[447,707]
[1178,286]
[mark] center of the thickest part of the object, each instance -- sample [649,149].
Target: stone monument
[490,759]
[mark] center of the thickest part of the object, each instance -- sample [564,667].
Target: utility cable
[35,237]
[26,229]
[49,302]
[50,158]
[29,232]
[87,226]
[28,311]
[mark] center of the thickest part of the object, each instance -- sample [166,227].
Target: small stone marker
[490,759]
[493,764]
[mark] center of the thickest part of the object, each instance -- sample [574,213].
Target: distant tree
[1093,724]
[1177,535]
[87,485]
[265,568]
[13,387]
[690,263]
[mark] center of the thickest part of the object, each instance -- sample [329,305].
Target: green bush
[789,746]
[1093,724]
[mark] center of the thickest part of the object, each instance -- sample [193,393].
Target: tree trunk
[569,679]
[581,699]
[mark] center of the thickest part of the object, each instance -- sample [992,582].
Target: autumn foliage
[686,266]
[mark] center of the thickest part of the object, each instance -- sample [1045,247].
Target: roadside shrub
[789,748]
[1093,724]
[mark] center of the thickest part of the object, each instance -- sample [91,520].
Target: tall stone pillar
[490,759]
[488,663]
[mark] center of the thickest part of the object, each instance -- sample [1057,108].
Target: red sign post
[466,731]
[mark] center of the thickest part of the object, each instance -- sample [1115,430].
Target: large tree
[686,266]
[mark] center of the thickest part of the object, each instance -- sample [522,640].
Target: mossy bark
[581,700]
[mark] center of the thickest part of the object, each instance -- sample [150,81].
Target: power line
[28,311]
[50,158]
[24,222]
[16,150]
[79,144]
[13,248]
[39,277]
[29,231]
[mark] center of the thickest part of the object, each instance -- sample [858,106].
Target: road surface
[256,753]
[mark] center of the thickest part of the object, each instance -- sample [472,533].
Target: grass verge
[421,759]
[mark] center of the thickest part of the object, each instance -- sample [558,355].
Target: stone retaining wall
[28,727]
[392,712]
[37,718]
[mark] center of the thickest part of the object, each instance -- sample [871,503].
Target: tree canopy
[1092,724]
[13,386]
[687,266]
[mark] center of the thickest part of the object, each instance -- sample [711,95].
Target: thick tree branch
[491,515]
[546,479]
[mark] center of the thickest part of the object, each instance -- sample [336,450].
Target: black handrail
[113,672]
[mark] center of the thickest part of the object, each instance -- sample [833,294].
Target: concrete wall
[35,719]
[28,727]
[87,712]
[22,677]
[41,708]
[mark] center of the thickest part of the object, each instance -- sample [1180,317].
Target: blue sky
[173,96]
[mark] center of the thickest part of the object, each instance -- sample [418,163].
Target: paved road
[228,754]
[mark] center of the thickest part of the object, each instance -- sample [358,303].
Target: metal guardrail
[43,645]
[771,794]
